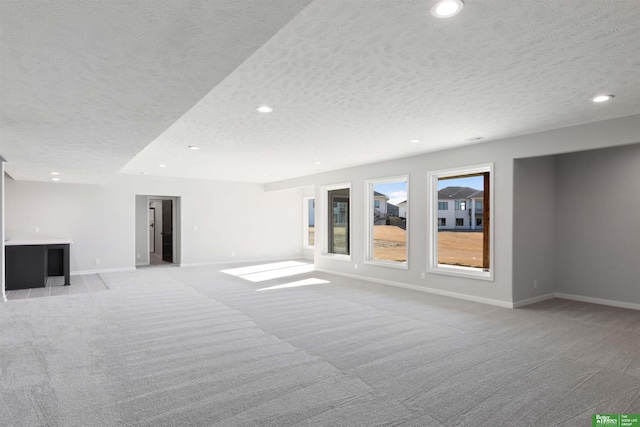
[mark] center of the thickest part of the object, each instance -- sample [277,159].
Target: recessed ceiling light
[447,8]
[54,173]
[266,174]
[194,147]
[316,163]
[55,179]
[602,98]
[414,141]
[264,109]
[162,166]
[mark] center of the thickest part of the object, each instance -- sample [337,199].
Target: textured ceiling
[93,89]
[85,85]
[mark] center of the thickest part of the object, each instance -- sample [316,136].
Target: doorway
[157,230]
[161,231]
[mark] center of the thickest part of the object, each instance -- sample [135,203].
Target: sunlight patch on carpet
[305,282]
[262,272]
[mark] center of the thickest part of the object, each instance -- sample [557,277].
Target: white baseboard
[601,301]
[104,270]
[533,300]
[242,261]
[473,298]
[498,303]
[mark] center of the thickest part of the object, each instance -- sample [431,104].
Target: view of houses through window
[338,216]
[462,237]
[310,221]
[387,236]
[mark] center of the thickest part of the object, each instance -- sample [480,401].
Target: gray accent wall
[513,275]
[598,224]
[534,227]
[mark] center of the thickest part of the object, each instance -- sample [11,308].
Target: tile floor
[55,286]
[156,259]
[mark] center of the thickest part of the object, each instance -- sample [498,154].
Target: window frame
[459,205]
[324,221]
[369,185]
[451,270]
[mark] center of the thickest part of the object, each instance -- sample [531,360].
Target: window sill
[459,271]
[337,257]
[391,264]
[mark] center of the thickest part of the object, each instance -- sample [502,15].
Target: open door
[167,230]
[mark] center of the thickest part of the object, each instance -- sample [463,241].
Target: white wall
[598,224]
[502,153]
[242,218]
[2,290]
[534,227]
[101,219]
[142,233]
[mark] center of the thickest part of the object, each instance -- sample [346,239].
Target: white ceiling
[92,89]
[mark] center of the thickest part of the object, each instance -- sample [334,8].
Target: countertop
[44,241]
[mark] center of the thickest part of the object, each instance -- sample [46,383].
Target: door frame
[154,229]
[176,220]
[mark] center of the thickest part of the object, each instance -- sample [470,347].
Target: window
[467,250]
[443,206]
[308,221]
[336,221]
[339,226]
[386,232]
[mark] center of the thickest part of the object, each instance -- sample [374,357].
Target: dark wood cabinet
[25,267]
[29,266]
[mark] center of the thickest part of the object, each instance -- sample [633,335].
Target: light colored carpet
[198,347]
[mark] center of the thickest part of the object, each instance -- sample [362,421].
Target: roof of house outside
[375,193]
[404,201]
[459,193]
